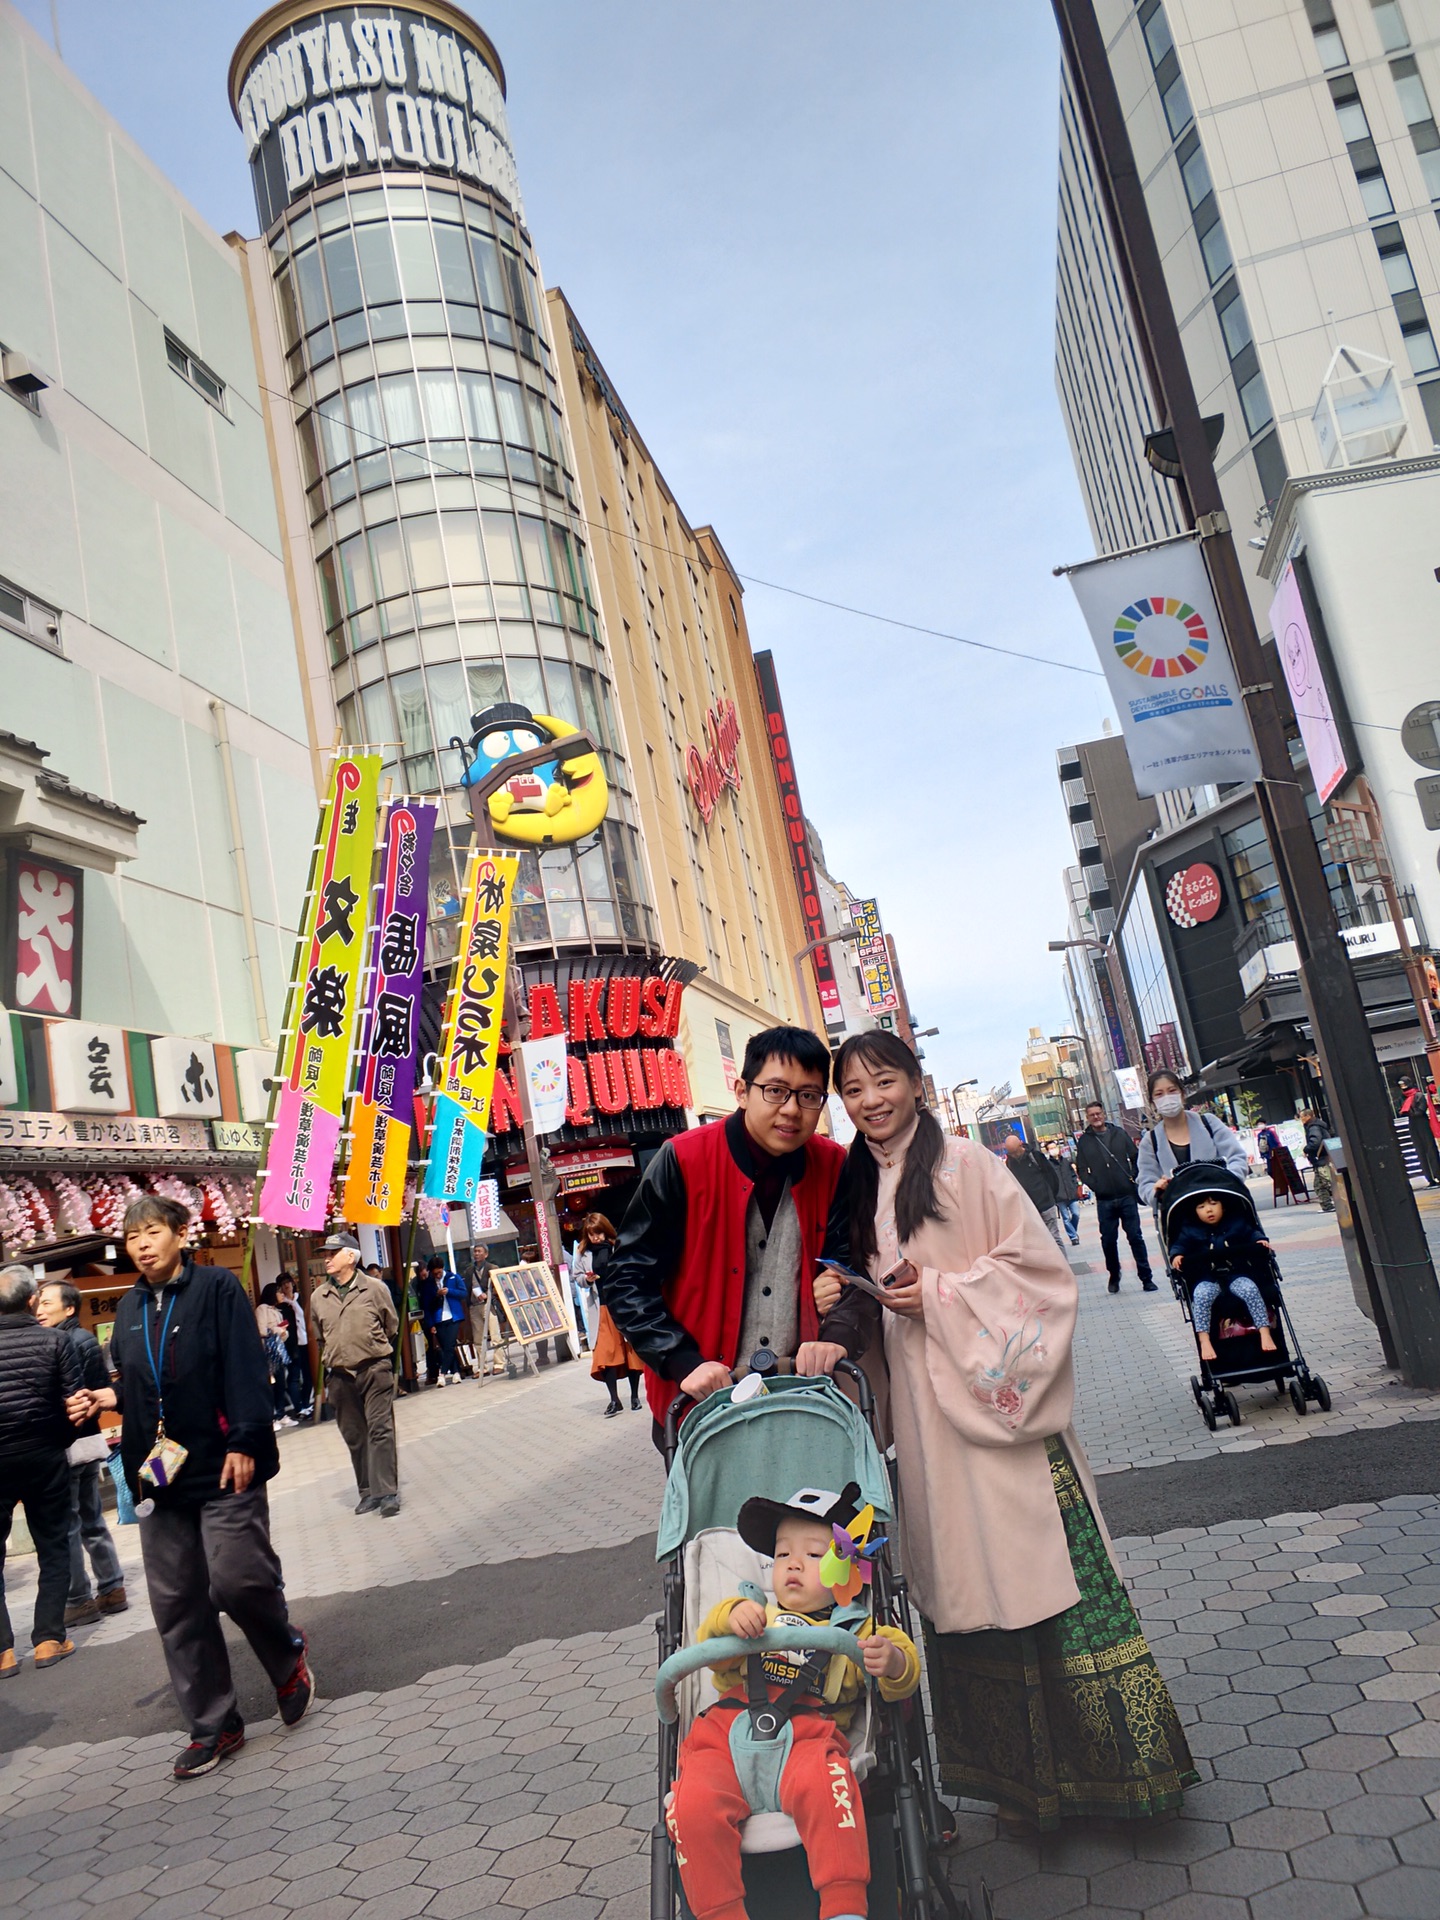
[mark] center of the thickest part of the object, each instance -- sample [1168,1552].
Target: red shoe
[203,1756]
[298,1691]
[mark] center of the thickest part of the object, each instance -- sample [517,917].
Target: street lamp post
[955,1092]
[1384,1203]
[1105,949]
[825,940]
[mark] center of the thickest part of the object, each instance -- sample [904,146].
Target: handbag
[89,1450]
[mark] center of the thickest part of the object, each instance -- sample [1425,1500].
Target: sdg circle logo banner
[1161,639]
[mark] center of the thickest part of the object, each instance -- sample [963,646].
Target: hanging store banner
[546,1071]
[1156,629]
[874,958]
[470,1046]
[320,1017]
[1309,695]
[382,1112]
[793,813]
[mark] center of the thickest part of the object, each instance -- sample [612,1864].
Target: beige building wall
[724,891]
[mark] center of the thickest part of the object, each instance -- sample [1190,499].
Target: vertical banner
[546,1069]
[811,909]
[874,958]
[1330,764]
[470,1046]
[1156,629]
[320,1017]
[382,1110]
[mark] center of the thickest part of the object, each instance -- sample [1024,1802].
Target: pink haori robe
[976,1389]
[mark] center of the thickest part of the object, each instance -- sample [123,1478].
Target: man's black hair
[69,1296]
[798,1045]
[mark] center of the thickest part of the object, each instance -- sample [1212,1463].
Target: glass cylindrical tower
[446,526]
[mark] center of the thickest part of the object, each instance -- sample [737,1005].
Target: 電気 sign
[1157,631]
[368,90]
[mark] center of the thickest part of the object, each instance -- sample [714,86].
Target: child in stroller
[1211,1251]
[819,1543]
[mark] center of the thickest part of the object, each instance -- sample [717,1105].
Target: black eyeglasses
[777,1094]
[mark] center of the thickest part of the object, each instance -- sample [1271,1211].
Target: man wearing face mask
[1105,1161]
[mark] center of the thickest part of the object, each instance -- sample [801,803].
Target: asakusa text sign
[371,89]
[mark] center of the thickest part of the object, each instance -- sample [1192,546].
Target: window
[1328,44]
[22,613]
[1389,24]
[195,372]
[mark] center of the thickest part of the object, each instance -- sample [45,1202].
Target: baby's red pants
[817,1790]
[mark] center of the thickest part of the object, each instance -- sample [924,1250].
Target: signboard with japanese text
[812,911]
[89,1067]
[320,1018]
[1309,695]
[531,1301]
[873,955]
[45,917]
[47,1130]
[470,1044]
[236,1136]
[186,1083]
[382,1112]
[366,90]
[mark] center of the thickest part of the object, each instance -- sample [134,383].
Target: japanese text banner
[382,1110]
[320,1018]
[470,1046]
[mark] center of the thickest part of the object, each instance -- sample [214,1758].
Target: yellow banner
[332,941]
[470,1047]
[379,1158]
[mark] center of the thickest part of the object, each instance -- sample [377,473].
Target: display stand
[530,1309]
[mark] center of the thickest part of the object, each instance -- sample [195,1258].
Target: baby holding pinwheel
[823,1552]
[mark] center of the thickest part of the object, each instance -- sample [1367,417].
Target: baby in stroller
[1211,1252]
[821,1548]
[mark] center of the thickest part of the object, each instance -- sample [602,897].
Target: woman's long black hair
[916,1198]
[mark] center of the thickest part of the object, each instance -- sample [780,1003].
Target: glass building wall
[445,520]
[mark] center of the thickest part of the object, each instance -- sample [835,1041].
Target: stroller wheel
[1198,1391]
[1297,1398]
[1207,1413]
[1320,1393]
[1232,1408]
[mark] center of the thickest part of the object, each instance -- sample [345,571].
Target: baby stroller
[1242,1362]
[799,1433]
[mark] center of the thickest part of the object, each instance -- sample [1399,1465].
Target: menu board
[530,1300]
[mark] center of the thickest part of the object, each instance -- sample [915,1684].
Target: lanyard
[155,1368]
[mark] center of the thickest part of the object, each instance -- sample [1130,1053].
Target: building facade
[1289,160]
[157,783]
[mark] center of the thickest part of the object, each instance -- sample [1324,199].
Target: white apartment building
[1291,162]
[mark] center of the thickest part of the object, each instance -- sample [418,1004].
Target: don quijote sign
[709,773]
[621,1058]
[358,90]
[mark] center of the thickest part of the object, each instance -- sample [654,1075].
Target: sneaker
[442,1381]
[114,1601]
[390,1506]
[278,1424]
[82,1613]
[287,1421]
[298,1691]
[203,1756]
[49,1653]
[369,1503]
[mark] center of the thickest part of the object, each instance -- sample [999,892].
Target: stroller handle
[729,1646]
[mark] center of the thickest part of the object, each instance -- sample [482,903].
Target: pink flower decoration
[1007,1401]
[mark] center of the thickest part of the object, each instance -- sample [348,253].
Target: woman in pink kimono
[1046,1696]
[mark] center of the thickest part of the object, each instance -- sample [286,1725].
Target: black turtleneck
[768,1171]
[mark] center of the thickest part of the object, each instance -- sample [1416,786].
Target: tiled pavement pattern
[1304,1653]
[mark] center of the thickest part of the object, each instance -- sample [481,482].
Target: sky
[814,247]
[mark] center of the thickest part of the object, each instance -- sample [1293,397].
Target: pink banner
[296,1192]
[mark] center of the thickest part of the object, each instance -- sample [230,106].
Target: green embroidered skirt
[1066,1718]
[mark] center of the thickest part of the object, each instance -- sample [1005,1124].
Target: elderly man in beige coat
[356,1322]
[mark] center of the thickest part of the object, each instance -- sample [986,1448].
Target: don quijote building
[472,521]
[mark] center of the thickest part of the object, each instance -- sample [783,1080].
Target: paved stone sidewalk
[1303,1651]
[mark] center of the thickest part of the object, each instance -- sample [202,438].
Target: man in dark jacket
[1105,1158]
[1039,1179]
[190,1368]
[57,1304]
[39,1370]
[720,1246]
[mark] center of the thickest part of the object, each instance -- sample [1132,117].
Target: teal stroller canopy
[798,1433]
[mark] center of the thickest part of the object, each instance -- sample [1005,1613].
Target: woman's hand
[1160,1185]
[747,1618]
[828,1288]
[883,1659]
[903,1294]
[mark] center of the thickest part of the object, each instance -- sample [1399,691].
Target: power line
[379,444]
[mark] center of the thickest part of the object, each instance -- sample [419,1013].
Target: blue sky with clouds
[814,246]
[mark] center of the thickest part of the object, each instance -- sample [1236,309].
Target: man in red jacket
[720,1246]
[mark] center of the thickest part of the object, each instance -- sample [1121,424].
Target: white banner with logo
[1155,626]
[545,1068]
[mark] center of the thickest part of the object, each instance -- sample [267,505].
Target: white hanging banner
[546,1070]
[1156,629]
